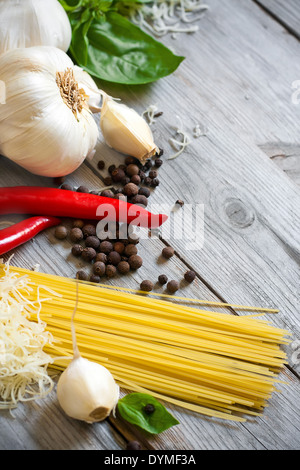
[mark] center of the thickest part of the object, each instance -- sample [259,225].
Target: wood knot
[239,214]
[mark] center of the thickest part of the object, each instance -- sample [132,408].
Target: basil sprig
[132,409]
[110,47]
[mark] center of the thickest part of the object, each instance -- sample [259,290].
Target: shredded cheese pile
[168,16]
[23,363]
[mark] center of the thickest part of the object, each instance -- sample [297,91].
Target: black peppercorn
[149,409]
[148,165]
[66,186]
[133,445]
[88,254]
[78,223]
[101,165]
[99,268]
[83,189]
[144,192]
[132,169]
[88,230]
[106,247]
[123,267]
[131,189]
[107,181]
[114,258]
[111,168]
[125,180]
[61,232]
[142,175]
[117,175]
[94,278]
[158,162]
[82,276]
[77,250]
[168,252]
[180,203]
[107,193]
[172,286]
[160,152]
[135,261]
[59,180]
[76,234]
[146,285]
[190,276]
[153,174]
[154,182]
[147,181]
[140,200]
[129,160]
[93,242]
[135,179]
[110,271]
[162,279]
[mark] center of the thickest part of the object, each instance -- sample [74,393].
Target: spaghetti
[218,364]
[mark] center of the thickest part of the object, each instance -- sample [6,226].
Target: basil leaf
[131,408]
[120,52]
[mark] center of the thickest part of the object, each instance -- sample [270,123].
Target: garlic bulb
[86,390]
[125,130]
[29,23]
[45,124]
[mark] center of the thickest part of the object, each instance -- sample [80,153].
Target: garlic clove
[126,131]
[87,391]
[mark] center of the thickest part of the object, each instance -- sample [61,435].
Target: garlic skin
[46,125]
[125,130]
[28,23]
[87,391]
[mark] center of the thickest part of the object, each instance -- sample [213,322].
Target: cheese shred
[215,363]
[23,362]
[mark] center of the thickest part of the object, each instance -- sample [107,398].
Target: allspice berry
[162,279]
[132,170]
[93,242]
[146,285]
[123,267]
[119,247]
[110,271]
[81,275]
[89,230]
[78,223]
[190,276]
[88,254]
[172,286]
[76,234]
[61,232]
[99,268]
[94,278]
[133,445]
[101,257]
[77,250]
[131,189]
[106,247]
[114,258]
[135,261]
[130,250]
[168,252]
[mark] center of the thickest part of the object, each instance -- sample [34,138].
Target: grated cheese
[168,16]
[23,363]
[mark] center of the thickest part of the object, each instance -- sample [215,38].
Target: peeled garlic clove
[87,391]
[126,131]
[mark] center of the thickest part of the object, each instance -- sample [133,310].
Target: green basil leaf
[131,408]
[119,51]
[71,5]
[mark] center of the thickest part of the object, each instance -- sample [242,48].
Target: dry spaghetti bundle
[214,363]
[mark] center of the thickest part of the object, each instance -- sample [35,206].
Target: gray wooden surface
[236,82]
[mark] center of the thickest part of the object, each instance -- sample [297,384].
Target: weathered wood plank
[286,157]
[287,12]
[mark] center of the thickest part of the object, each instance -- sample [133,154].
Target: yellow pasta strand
[215,363]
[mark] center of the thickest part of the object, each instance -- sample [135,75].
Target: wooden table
[236,82]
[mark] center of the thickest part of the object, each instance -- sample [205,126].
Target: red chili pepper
[21,232]
[63,203]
